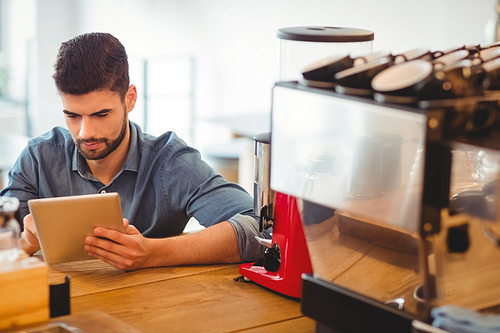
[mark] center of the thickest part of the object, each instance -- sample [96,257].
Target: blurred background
[203,68]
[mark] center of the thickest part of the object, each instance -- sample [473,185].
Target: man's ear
[131,97]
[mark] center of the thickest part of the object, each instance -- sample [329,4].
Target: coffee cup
[421,53]
[417,80]
[399,80]
[487,46]
[321,72]
[371,57]
[488,54]
[439,85]
[492,71]
[466,78]
[360,77]
[450,58]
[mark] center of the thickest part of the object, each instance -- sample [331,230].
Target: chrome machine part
[263,195]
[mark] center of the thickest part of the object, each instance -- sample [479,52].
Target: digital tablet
[62,223]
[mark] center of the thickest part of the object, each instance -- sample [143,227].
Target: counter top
[188,298]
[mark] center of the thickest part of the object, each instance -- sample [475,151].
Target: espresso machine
[286,256]
[410,176]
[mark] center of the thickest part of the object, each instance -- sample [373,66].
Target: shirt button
[103,191]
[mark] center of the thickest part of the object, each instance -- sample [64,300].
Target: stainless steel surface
[372,155]
[364,161]
[263,195]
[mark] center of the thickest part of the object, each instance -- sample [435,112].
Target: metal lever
[266,242]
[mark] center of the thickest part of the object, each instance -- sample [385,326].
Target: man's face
[97,121]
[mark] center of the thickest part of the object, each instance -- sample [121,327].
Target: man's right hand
[29,237]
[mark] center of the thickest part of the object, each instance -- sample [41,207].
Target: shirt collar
[131,161]
[134,155]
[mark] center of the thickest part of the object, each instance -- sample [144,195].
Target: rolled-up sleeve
[194,188]
[246,228]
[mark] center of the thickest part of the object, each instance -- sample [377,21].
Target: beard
[110,145]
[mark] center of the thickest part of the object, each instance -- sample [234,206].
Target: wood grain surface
[88,322]
[210,301]
[94,276]
[203,298]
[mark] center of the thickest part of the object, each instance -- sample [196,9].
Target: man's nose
[87,129]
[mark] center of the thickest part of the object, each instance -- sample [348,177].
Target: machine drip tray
[339,310]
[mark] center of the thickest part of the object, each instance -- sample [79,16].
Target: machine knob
[272,258]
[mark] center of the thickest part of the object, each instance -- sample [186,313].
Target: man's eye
[102,115]
[71,116]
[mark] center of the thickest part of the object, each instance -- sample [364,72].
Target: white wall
[15,36]
[56,21]
[15,41]
[235,42]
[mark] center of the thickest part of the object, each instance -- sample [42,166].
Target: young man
[162,182]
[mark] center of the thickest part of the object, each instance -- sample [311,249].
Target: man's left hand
[127,251]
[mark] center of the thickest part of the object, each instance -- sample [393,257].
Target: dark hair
[90,62]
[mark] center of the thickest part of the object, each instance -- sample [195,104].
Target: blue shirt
[162,184]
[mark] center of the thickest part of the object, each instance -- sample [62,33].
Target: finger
[102,253]
[105,244]
[116,236]
[29,234]
[131,230]
[110,262]
[102,245]
[113,235]
[29,224]
[125,223]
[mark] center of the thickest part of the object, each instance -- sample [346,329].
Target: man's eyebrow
[100,112]
[103,111]
[69,113]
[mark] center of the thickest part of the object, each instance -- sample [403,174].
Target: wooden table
[202,298]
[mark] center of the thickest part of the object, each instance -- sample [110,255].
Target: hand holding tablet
[62,223]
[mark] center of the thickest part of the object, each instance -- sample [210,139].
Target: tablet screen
[62,223]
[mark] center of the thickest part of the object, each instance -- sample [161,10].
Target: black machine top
[325,34]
